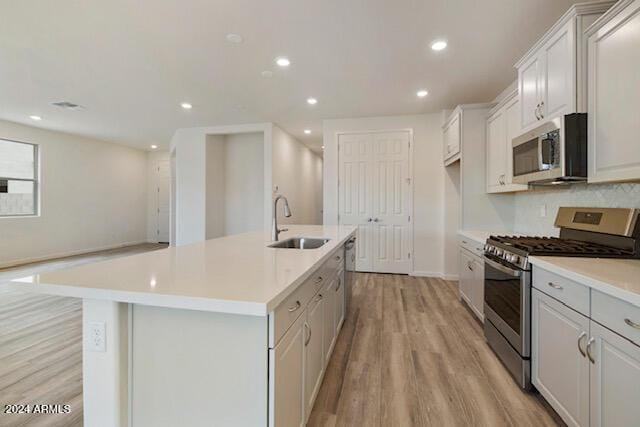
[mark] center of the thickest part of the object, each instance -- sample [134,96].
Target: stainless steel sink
[300,243]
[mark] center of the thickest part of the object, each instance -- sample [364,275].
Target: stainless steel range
[584,232]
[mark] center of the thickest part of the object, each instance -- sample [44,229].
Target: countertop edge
[599,285]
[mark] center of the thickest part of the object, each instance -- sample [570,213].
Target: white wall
[428,179]
[235,176]
[297,172]
[93,195]
[189,145]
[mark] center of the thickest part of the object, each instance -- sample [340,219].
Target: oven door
[507,293]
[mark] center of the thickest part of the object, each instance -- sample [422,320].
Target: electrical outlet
[96,339]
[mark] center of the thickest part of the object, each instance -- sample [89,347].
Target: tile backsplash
[530,205]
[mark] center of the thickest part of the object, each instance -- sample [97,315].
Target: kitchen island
[224,332]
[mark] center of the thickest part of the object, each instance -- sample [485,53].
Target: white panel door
[355,192]
[391,203]
[560,368]
[615,379]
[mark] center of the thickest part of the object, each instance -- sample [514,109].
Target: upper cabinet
[451,137]
[614,94]
[502,127]
[551,76]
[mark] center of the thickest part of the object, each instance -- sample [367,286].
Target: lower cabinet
[314,354]
[560,369]
[615,379]
[340,302]
[329,329]
[471,281]
[286,385]
[589,374]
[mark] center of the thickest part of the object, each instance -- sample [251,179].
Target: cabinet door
[615,379]
[512,119]
[496,154]
[286,378]
[560,369]
[464,275]
[477,286]
[329,328]
[559,77]
[340,302]
[530,89]
[614,98]
[313,354]
[451,137]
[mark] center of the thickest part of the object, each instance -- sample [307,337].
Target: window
[18,178]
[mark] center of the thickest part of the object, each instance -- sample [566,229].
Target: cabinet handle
[554,286]
[632,323]
[591,341]
[319,297]
[469,266]
[536,112]
[306,342]
[295,307]
[541,113]
[464,242]
[582,335]
[339,283]
[338,258]
[319,279]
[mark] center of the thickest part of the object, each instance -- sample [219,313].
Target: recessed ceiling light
[234,38]
[153,147]
[36,118]
[267,74]
[438,45]
[312,101]
[422,93]
[186,106]
[283,62]
[307,131]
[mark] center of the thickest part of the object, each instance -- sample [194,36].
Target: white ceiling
[131,63]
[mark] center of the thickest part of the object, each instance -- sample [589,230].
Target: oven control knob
[497,251]
[516,259]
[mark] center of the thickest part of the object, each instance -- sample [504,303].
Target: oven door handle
[503,268]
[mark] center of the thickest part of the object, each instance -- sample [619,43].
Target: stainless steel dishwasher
[349,268]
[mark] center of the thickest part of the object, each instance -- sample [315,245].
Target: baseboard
[16,262]
[434,274]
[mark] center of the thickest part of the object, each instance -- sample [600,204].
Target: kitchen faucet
[275,231]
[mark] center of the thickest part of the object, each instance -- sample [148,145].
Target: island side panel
[105,374]
[197,368]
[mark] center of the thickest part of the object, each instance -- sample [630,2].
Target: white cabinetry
[471,277]
[614,95]
[329,328]
[587,372]
[287,382]
[615,379]
[502,127]
[314,355]
[551,76]
[560,371]
[340,302]
[451,137]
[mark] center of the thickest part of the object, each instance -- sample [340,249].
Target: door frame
[411,177]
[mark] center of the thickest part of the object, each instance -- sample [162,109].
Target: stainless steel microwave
[553,153]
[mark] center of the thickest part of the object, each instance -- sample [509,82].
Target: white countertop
[619,278]
[235,274]
[481,236]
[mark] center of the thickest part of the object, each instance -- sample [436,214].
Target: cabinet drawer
[334,264]
[292,307]
[617,315]
[472,246]
[571,293]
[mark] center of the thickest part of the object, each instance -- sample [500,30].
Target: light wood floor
[410,354]
[40,344]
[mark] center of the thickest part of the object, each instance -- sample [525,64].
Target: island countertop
[236,274]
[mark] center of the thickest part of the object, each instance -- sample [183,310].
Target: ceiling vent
[67,105]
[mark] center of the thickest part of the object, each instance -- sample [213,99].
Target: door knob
[376,220]
[370,219]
